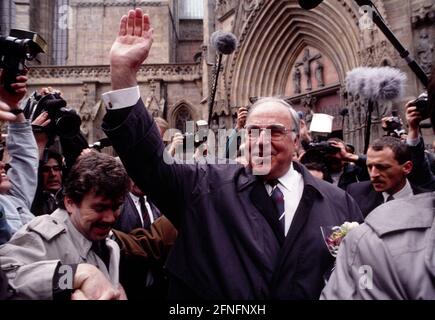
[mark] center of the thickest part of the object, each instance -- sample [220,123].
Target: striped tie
[278,198]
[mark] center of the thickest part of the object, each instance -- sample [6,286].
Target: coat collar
[245,178]
[83,245]
[412,213]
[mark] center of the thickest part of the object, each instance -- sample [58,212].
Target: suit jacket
[230,245]
[421,174]
[129,218]
[367,198]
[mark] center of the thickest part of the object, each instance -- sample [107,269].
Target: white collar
[403,193]
[136,198]
[288,181]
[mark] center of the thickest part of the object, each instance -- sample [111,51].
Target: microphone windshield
[309,4]
[376,84]
[224,42]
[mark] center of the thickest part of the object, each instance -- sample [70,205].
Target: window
[191,9]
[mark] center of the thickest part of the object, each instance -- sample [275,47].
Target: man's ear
[407,167]
[70,206]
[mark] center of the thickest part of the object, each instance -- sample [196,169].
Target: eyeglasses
[47,169]
[277,131]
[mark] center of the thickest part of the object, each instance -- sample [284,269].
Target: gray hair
[293,113]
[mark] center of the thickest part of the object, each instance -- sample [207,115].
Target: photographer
[345,167]
[421,174]
[18,185]
[394,127]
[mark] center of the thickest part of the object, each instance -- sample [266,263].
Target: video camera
[199,137]
[17,48]
[323,147]
[65,122]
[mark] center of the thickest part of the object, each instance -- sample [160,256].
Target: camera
[201,133]
[422,105]
[15,49]
[393,124]
[323,147]
[65,122]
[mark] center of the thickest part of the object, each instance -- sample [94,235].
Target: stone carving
[85,113]
[297,80]
[319,73]
[154,105]
[425,14]
[248,6]
[119,4]
[306,63]
[172,72]
[424,51]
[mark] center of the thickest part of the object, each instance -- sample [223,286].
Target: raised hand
[13,99]
[130,48]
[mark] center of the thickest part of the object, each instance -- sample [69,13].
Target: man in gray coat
[42,259]
[392,255]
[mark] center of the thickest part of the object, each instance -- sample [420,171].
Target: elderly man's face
[270,151]
[95,216]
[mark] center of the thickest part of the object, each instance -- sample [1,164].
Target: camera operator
[345,167]
[394,127]
[18,185]
[421,174]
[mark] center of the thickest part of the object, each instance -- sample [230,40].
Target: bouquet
[333,235]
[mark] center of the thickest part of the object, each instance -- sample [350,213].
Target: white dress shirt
[147,205]
[292,186]
[403,193]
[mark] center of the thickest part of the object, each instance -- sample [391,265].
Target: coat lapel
[299,220]
[265,205]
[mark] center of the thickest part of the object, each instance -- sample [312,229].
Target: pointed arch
[181,112]
[268,49]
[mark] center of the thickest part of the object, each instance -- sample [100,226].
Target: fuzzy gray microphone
[376,84]
[223,42]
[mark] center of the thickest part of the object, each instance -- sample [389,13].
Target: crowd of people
[140,227]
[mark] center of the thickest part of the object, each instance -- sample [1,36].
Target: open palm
[134,41]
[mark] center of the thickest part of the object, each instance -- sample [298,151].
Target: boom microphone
[376,84]
[223,42]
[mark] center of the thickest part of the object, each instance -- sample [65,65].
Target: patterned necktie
[144,212]
[278,198]
[389,198]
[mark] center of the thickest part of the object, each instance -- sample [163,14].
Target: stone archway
[280,31]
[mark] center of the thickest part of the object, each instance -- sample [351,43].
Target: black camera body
[422,105]
[324,147]
[393,124]
[15,49]
[65,122]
